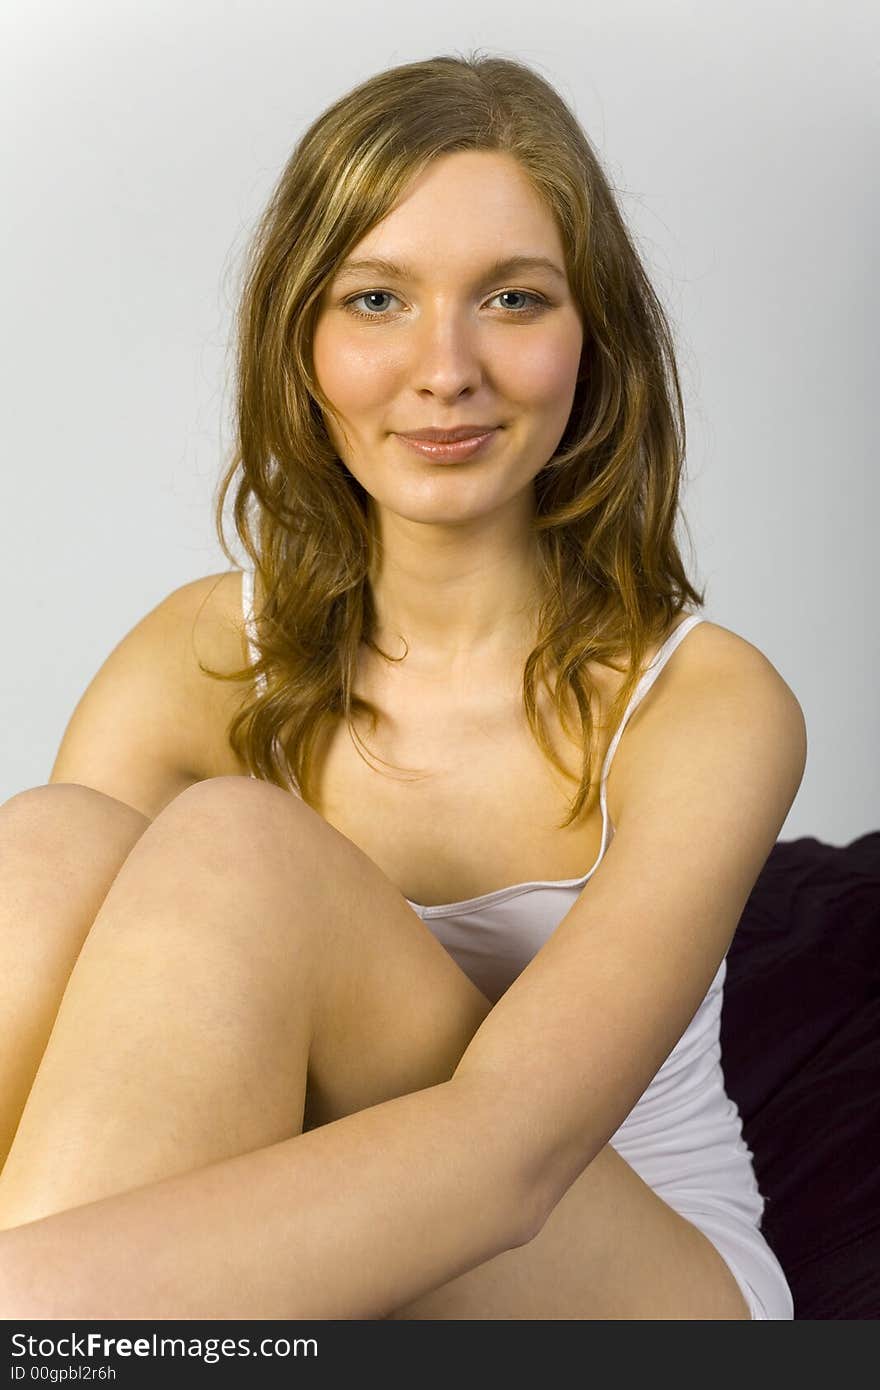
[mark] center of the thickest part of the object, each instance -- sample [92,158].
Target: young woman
[363,1015]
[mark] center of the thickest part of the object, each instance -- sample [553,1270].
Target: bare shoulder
[152,721]
[210,631]
[211,607]
[712,653]
[716,686]
[708,651]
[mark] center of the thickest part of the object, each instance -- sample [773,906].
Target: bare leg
[244,946]
[238,922]
[61,846]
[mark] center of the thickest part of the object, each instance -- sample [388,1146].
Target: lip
[437,435]
[451,451]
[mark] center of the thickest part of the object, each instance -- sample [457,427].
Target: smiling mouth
[450,450]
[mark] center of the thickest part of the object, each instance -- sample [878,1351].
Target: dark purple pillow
[800,1047]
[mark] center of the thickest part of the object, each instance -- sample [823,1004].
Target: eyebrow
[509,265]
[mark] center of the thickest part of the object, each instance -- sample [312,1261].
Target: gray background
[138,148]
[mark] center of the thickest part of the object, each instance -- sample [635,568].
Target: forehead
[475,210]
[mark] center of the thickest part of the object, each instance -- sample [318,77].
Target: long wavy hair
[606,502]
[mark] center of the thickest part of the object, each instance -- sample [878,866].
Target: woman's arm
[711,773]
[350,1220]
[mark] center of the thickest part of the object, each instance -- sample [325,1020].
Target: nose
[446,355]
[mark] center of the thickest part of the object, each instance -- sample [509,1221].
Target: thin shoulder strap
[645,681]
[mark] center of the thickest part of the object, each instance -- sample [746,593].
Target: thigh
[391,1011]
[61,846]
[611,1249]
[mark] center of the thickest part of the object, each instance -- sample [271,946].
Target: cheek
[349,373]
[543,369]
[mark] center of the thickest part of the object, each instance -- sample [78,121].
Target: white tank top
[684,1135]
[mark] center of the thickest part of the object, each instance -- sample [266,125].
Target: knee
[65,815]
[236,797]
[240,814]
[61,846]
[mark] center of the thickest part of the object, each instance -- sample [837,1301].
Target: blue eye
[536,303]
[368,294]
[536,300]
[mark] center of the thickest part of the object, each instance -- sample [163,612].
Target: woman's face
[448,341]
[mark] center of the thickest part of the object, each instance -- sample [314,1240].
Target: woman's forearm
[350,1220]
